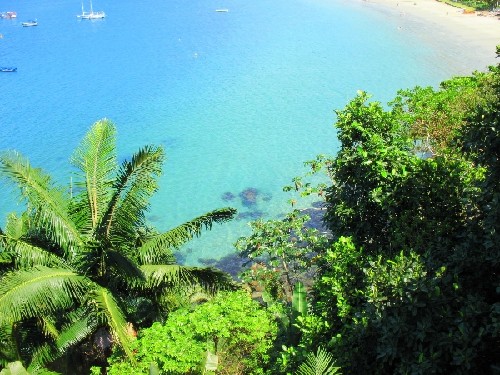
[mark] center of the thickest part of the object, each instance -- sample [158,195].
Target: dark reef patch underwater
[249,197]
[228,196]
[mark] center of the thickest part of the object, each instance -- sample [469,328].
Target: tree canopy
[411,281]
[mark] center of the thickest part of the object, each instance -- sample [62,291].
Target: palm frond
[16,226]
[321,363]
[6,258]
[155,256]
[173,275]
[125,265]
[95,158]
[8,349]
[49,328]
[37,292]
[211,279]
[134,185]
[81,326]
[26,255]
[2,243]
[162,275]
[47,203]
[114,317]
[154,249]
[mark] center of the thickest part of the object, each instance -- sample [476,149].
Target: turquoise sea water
[239,99]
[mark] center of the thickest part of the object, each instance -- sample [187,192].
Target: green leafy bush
[231,331]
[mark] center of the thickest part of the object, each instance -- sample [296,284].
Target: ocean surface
[239,99]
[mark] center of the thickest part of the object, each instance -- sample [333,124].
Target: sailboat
[91,15]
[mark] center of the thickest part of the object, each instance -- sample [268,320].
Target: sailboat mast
[91,11]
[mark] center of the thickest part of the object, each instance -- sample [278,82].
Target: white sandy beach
[469,40]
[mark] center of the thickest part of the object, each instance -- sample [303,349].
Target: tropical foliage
[410,283]
[229,334]
[320,363]
[78,259]
[280,252]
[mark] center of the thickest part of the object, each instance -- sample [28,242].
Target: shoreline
[469,38]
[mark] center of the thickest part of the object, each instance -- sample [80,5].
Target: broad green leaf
[38,291]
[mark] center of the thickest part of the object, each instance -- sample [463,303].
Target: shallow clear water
[239,99]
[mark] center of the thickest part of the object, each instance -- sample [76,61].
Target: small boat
[8,15]
[91,15]
[222,10]
[30,23]
[8,69]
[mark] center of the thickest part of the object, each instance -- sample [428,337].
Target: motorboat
[30,23]
[8,69]
[222,10]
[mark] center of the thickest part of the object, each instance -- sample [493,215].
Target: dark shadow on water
[250,215]
[154,218]
[228,196]
[231,264]
[266,197]
[318,204]
[249,197]
[180,258]
[316,212]
[208,262]
[169,142]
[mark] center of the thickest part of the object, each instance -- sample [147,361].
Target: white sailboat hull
[91,15]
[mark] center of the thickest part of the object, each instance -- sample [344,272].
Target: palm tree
[73,261]
[321,363]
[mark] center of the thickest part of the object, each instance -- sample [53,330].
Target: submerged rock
[154,218]
[228,196]
[232,264]
[254,215]
[316,213]
[208,261]
[180,258]
[267,197]
[249,197]
[319,204]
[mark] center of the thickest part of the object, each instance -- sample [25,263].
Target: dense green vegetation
[229,332]
[406,279]
[411,282]
[473,4]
